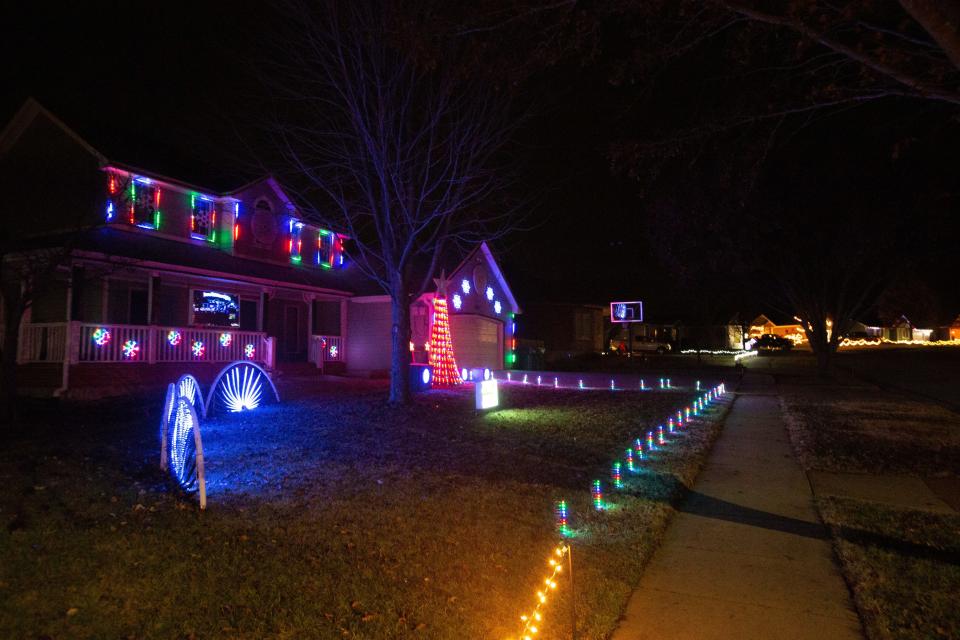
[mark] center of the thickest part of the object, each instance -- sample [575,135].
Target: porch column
[309,300]
[343,329]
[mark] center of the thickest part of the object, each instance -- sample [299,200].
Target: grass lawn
[332,516]
[903,566]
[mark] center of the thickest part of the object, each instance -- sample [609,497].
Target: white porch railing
[325,349]
[42,342]
[132,343]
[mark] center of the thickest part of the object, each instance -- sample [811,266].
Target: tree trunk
[13,313]
[400,346]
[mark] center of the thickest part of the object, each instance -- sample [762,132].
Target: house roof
[132,153]
[484,249]
[150,250]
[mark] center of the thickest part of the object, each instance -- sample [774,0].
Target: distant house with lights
[157,276]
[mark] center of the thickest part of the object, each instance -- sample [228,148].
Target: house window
[203,219]
[295,242]
[144,203]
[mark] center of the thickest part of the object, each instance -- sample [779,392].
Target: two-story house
[156,276]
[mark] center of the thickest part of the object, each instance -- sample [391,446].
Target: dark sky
[163,85]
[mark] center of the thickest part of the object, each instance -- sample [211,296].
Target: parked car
[645,343]
[770,342]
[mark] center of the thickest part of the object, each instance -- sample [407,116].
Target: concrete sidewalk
[747,556]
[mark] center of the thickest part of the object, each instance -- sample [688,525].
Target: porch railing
[326,349]
[42,342]
[135,343]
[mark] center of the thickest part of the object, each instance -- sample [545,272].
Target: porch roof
[146,248]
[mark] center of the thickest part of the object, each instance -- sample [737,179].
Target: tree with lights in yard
[442,360]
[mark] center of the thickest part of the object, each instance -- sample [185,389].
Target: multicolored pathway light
[660,439]
[629,456]
[638,448]
[679,418]
[696,409]
[560,511]
[643,387]
[580,384]
[131,349]
[669,386]
[556,383]
[687,415]
[650,445]
[612,385]
[532,621]
[524,378]
[615,476]
[597,492]
[670,425]
[661,384]
[539,379]
[698,385]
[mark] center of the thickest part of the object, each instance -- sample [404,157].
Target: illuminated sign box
[626,311]
[487,394]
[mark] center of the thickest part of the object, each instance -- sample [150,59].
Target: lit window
[203,219]
[295,243]
[144,204]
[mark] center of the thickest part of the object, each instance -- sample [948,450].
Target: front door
[290,347]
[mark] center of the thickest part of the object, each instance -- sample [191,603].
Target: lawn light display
[487,394]
[188,387]
[241,386]
[441,359]
[533,622]
[186,450]
[597,492]
[168,404]
[420,377]
[560,512]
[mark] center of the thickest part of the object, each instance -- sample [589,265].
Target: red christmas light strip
[445,371]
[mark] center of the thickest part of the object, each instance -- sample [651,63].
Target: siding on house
[368,342]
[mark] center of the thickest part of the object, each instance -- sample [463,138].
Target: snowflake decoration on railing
[101,336]
[198,349]
[131,349]
[333,351]
[226,339]
[174,337]
[250,351]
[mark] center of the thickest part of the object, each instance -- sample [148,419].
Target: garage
[477,341]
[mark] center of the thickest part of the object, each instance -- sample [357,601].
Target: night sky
[167,86]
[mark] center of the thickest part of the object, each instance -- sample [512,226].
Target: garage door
[476,341]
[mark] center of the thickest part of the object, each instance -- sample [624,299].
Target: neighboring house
[953,332]
[899,330]
[762,325]
[565,330]
[158,277]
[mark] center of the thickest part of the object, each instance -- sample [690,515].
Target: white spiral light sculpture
[186,450]
[189,388]
[241,386]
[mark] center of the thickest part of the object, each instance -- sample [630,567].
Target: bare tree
[395,147]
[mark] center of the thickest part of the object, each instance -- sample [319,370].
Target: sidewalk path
[746,557]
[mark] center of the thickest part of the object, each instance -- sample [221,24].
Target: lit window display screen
[216,309]
[626,311]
